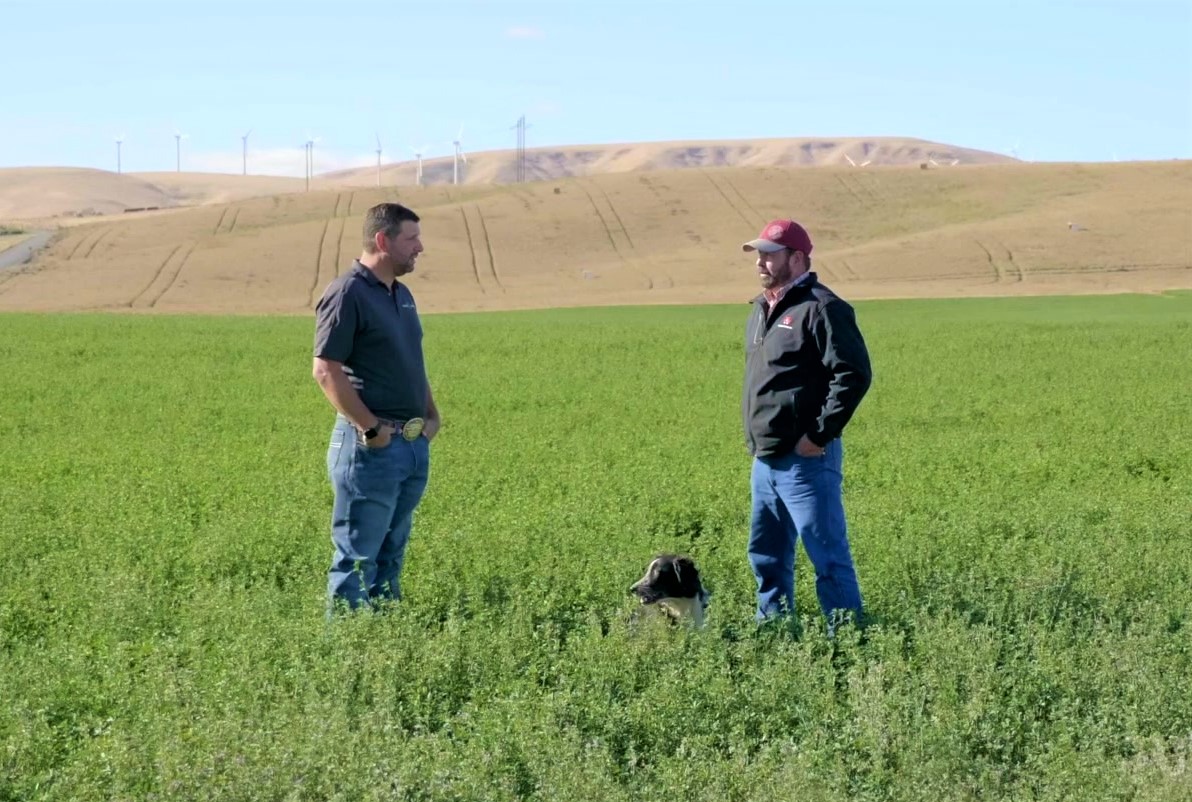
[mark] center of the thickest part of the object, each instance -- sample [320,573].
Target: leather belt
[409,429]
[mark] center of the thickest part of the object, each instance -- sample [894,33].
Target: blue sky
[1058,81]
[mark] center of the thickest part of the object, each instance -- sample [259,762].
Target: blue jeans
[376,491]
[800,497]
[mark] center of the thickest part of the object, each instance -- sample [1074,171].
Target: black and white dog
[672,586]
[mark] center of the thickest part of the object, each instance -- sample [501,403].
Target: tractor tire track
[174,276]
[472,251]
[86,238]
[351,199]
[314,282]
[727,200]
[219,222]
[608,230]
[156,275]
[648,184]
[760,219]
[1014,266]
[668,283]
[868,186]
[613,209]
[997,273]
[826,268]
[339,245]
[848,269]
[488,246]
[851,191]
[527,198]
[98,240]
[335,211]
[235,218]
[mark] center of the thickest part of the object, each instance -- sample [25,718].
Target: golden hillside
[59,195]
[40,192]
[668,236]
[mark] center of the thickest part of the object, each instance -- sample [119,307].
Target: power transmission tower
[520,168]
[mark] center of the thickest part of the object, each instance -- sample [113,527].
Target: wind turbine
[459,154]
[244,149]
[418,171]
[378,160]
[119,142]
[178,137]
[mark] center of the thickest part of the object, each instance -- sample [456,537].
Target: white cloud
[524,32]
[273,161]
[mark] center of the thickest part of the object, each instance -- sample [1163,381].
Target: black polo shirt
[375,332]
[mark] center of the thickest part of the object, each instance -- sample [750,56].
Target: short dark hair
[386,218]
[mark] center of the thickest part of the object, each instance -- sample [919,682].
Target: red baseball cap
[779,234]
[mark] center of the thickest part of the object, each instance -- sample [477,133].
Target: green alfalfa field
[1019,493]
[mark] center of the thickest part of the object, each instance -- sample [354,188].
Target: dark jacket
[806,369]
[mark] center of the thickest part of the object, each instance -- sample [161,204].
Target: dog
[672,587]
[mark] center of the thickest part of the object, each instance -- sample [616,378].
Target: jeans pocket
[340,443]
[367,449]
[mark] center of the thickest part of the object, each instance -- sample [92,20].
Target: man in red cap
[806,371]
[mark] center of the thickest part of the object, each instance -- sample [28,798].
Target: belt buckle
[412,428]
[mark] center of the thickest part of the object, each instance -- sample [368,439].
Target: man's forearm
[845,392]
[343,396]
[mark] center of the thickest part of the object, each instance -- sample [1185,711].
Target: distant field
[1017,489]
[658,238]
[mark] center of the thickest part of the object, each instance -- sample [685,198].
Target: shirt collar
[773,296]
[368,275]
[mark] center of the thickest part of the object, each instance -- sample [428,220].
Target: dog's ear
[688,576]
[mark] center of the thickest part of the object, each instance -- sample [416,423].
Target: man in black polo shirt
[368,361]
[806,371]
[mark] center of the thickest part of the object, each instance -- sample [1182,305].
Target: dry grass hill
[32,193]
[647,236]
[62,195]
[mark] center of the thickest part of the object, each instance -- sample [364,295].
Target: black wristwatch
[369,434]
